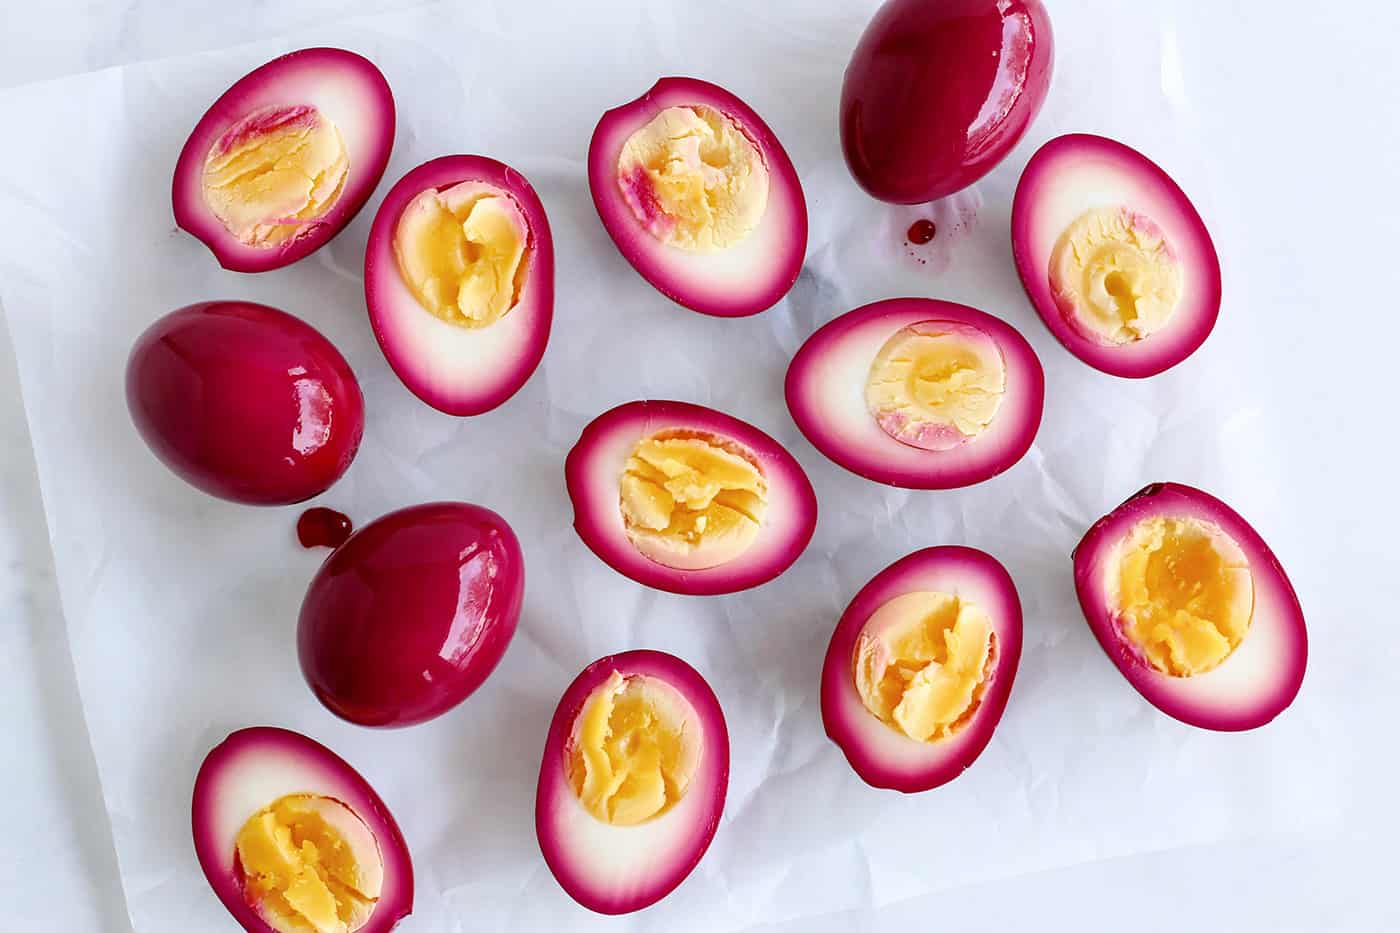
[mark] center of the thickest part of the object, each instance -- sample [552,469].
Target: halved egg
[687,499]
[1194,609]
[285,158]
[918,393]
[294,840]
[632,785]
[411,614]
[920,667]
[700,197]
[459,280]
[1113,256]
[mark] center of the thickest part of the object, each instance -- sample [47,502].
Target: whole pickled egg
[938,91]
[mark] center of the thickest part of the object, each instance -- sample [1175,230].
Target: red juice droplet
[921,231]
[322,527]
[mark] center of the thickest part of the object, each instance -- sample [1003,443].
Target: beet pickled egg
[918,393]
[411,614]
[687,499]
[920,667]
[1113,256]
[285,158]
[245,402]
[700,197]
[1193,608]
[937,93]
[292,839]
[459,280]
[632,785]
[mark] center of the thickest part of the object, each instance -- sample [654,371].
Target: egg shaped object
[285,158]
[687,499]
[245,402]
[411,614]
[700,197]
[1113,256]
[1193,608]
[937,93]
[632,785]
[293,839]
[918,393]
[920,667]
[459,281]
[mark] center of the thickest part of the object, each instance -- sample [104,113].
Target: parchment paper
[181,609]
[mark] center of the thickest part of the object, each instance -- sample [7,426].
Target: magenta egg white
[342,86]
[410,615]
[458,370]
[825,393]
[882,756]
[1077,172]
[618,869]
[596,461]
[1260,677]
[245,402]
[254,767]
[746,278]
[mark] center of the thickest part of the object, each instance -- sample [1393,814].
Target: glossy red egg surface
[411,614]
[254,767]
[938,91]
[245,402]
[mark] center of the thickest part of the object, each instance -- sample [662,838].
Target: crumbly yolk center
[694,179]
[462,252]
[272,175]
[1184,594]
[300,872]
[936,385]
[691,500]
[1115,276]
[922,663]
[634,750]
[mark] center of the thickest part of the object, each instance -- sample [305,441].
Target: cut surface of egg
[1113,256]
[700,197]
[459,281]
[918,393]
[687,499]
[920,667]
[293,840]
[633,780]
[1194,609]
[285,158]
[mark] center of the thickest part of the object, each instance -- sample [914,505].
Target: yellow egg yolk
[272,175]
[1183,593]
[1114,274]
[634,749]
[934,385]
[309,865]
[692,501]
[693,179]
[922,663]
[462,252]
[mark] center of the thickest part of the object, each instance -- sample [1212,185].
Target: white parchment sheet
[181,609]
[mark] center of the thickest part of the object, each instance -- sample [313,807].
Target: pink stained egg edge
[695,281]
[411,337]
[1269,664]
[881,756]
[872,453]
[593,490]
[1154,194]
[556,802]
[239,756]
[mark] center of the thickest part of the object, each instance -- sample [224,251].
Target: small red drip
[322,527]
[921,231]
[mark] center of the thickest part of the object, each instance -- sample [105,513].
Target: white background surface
[1294,111]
